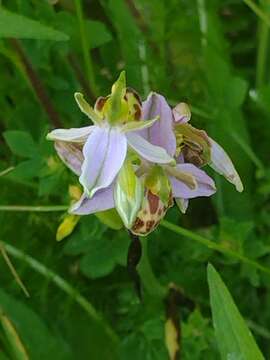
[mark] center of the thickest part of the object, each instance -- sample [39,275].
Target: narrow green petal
[139,125]
[86,108]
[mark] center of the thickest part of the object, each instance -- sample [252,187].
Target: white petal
[104,153]
[72,135]
[222,164]
[152,153]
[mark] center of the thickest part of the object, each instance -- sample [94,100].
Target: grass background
[211,54]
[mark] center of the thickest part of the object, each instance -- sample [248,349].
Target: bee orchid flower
[139,157]
[97,152]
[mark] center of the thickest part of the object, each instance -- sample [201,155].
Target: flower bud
[181,113]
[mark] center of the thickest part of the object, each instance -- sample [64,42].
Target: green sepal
[157,181]
[86,108]
[110,218]
[116,106]
[138,125]
[128,194]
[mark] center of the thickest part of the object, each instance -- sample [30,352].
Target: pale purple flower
[187,180]
[97,152]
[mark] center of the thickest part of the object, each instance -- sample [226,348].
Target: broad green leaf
[27,169]
[234,339]
[18,26]
[101,249]
[88,230]
[21,143]
[104,255]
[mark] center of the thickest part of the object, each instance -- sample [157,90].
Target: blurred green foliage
[212,54]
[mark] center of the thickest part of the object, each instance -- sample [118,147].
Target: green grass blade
[234,339]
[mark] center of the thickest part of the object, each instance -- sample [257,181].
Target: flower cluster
[138,157]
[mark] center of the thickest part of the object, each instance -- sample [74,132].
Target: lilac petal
[181,113]
[104,153]
[71,154]
[222,164]
[205,185]
[102,200]
[150,152]
[161,133]
[71,135]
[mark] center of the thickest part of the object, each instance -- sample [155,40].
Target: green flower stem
[263,39]
[18,208]
[85,49]
[258,11]
[6,171]
[214,246]
[61,284]
[148,279]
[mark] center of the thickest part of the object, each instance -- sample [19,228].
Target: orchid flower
[137,158]
[143,193]
[163,182]
[96,153]
[192,148]
[199,149]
